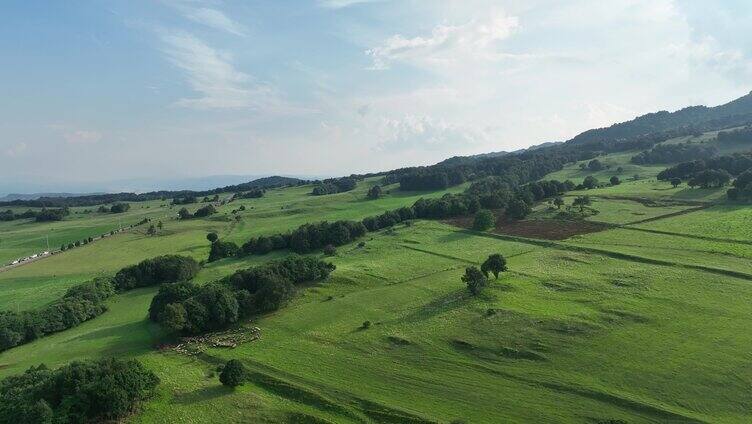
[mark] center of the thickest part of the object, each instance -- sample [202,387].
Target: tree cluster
[223,249]
[46,215]
[191,309]
[80,303]
[374,192]
[154,271]
[250,194]
[742,189]
[734,164]
[334,185]
[201,212]
[9,215]
[104,390]
[120,207]
[738,136]
[672,153]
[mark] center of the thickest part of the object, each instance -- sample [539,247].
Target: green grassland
[642,322]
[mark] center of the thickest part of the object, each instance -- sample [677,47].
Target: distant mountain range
[32,189]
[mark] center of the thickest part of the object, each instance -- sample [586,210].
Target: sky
[98,90]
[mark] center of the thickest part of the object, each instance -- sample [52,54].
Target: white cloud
[215,19]
[447,44]
[340,4]
[425,132]
[16,150]
[212,74]
[82,137]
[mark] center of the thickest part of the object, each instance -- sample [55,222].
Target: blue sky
[107,90]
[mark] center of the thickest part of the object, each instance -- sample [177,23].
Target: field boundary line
[692,236]
[612,254]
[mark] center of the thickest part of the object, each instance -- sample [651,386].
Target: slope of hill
[736,112]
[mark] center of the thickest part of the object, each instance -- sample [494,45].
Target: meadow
[640,322]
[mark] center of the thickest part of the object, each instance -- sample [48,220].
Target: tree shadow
[201,395]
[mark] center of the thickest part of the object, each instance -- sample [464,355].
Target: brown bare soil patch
[548,229]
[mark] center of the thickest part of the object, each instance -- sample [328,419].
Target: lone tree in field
[495,264]
[558,202]
[152,231]
[675,182]
[160,225]
[374,192]
[233,373]
[475,280]
[484,220]
[212,237]
[614,180]
[581,201]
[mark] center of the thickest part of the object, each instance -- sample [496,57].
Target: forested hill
[697,118]
[97,199]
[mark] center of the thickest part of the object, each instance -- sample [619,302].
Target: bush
[366,325]
[233,373]
[330,250]
[150,272]
[223,249]
[484,220]
[212,237]
[80,392]
[495,264]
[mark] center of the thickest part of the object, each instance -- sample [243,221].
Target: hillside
[734,113]
[584,327]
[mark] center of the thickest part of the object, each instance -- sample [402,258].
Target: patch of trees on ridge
[187,308]
[334,185]
[116,208]
[672,153]
[86,301]
[104,390]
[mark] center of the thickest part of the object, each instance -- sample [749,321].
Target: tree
[558,202]
[159,224]
[595,165]
[484,220]
[590,182]
[475,279]
[676,182]
[581,201]
[614,180]
[212,237]
[152,230]
[184,214]
[233,373]
[330,250]
[374,192]
[494,264]
[517,209]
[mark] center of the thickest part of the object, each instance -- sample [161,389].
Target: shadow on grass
[202,394]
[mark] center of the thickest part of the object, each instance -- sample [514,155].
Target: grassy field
[639,322]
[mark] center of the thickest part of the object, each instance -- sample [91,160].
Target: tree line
[85,301]
[489,193]
[103,390]
[250,194]
[188,308]
[672,153]
[714,172]
[334,185]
